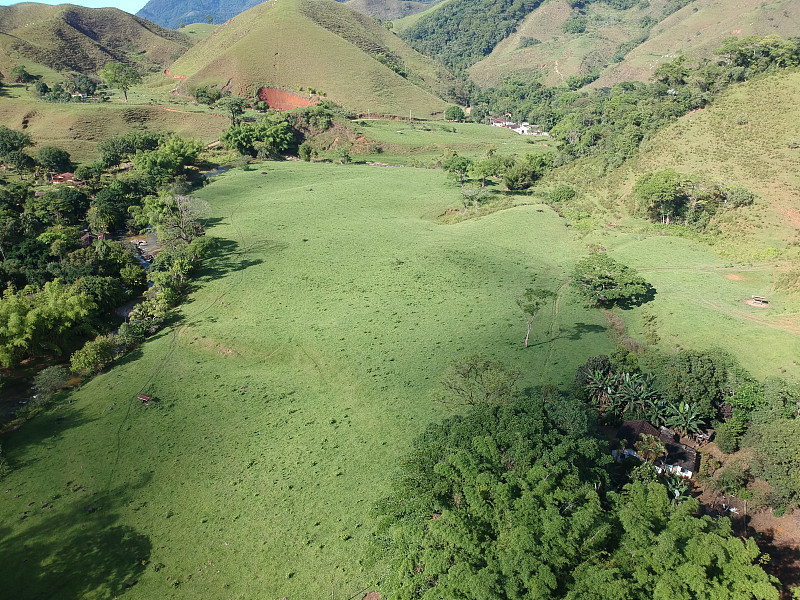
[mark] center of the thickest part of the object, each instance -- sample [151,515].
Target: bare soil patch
[281,100]
[734,277]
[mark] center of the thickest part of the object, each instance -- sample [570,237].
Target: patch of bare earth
[778,537]
[281,100]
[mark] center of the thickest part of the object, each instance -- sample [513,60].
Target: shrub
[93,357]
[601,363]
[563,193]
[733,479]
[728,435]
[50,380]
[575,24]
[739,195]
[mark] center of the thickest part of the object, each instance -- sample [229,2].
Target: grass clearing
[79,127]
[301,368]
[426,142]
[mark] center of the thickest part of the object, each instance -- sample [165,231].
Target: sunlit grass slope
[695,30]
[429,141]
[73,38]
[748,136]
[78,128]
[699,28]
[322,45]
[301,368]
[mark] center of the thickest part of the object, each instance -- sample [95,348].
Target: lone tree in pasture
[120,76]
[458,166]
[472,195]
[478,379]
[454,113]
[602,281]
[530,303]
[233,105]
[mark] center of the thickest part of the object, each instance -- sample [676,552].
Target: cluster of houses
[680,459]
[523,128]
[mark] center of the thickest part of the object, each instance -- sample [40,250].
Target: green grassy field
[79,127]
[198,31]
[300,370]
[427,141]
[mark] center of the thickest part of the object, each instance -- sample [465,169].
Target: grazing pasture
[295,376]
[301,367]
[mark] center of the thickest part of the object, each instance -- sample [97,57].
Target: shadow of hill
[71,546]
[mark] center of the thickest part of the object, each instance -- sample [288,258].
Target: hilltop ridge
[304,45]
[73,38]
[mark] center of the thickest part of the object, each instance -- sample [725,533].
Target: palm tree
[650,448]
[684,418]
[677,487]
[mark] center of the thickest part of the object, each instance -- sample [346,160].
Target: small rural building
[680,460]
[64,178]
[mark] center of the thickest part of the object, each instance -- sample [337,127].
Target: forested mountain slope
[171,13]
[73,38]
[604,40]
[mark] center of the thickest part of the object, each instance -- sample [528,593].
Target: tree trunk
[528,335]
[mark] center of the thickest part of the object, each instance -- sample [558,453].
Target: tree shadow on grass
[629,303]
[72,545]
[575,333]
[228,258]
[43,427]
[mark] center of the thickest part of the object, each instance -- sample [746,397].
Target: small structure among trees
[657,446]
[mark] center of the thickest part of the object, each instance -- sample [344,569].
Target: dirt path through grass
[786,324]
[553,316]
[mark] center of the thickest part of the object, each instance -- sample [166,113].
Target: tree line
[515,498]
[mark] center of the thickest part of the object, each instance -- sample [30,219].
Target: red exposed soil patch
[734,277]
[168,73]
[372,596]
[280,100]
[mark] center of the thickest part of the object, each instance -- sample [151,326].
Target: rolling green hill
[319,44]
[748,136]
[64,38]
[388,10]
[618,40]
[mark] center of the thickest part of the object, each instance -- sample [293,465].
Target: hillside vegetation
[302,44]
[608,41]
[80,127]
[749,136]
[72,38]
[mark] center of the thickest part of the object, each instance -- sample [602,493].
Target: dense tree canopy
[499,503]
